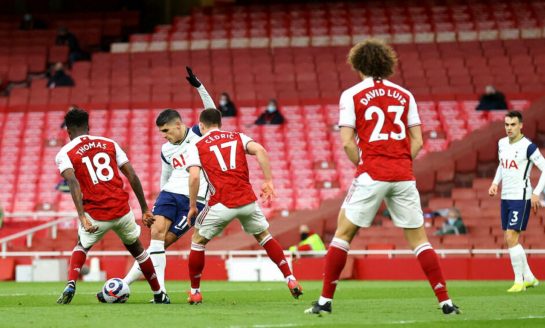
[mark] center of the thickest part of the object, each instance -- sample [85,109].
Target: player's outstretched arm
[194,184]
[348,139]
[539,162]
[77,197]
[415,135]
[267,189]
[196,83]
[493,190]
[136,186]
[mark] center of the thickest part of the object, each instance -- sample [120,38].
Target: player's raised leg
[156,250]
[146,265]
[276,254]
[196,266]
[335,261]
[429,262]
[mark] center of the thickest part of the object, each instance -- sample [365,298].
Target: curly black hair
[373,58]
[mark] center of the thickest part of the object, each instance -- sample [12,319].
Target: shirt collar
[213,130]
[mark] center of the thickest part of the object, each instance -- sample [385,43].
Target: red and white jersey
[381,112]
[95,161]
[222,157]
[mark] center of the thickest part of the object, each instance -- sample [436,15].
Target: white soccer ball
[116,291]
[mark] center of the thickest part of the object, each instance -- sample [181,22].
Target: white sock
[517,261]
[322,300]
[290,277]
[449,302]
[156,251]
[134,274]
[195,290]
[527,273]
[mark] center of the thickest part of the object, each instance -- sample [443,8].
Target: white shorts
[125,227]
[366,195]
[212,220]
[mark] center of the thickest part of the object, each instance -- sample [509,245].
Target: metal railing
[29,233]
[68,216]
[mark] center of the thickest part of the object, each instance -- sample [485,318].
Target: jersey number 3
[232,155]
[103,171]
[377,134]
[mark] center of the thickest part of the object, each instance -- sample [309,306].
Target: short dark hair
[166,116]
[210,117]
[513,114]
[76,118]
[373,58]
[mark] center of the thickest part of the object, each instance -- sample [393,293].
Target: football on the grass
[116,291]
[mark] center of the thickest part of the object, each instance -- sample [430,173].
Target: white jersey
[515,165]
[174,176]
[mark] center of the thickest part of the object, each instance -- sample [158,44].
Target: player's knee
[158,230]
[511,238]
[198,239]
[262,235]
[346,230]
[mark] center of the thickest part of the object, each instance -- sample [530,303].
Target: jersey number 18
[100,169]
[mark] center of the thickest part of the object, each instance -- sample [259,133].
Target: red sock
[79,254]
[196,264]
[334,264]
[146,265]
[276,254]
[430,265]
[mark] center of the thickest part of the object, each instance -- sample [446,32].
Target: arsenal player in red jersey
[91,165]
[222,157]
[381,135]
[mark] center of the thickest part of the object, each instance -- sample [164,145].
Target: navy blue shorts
[175,207]
[515,214]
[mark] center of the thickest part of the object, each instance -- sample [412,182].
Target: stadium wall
[312,268]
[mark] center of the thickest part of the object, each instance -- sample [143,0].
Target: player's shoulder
[357,88]
[525,141]
[168,149]
[503,141]
[391,84]
[67,147]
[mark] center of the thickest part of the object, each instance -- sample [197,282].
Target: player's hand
[192,78]
[193,212]
[147,218]
[535,203]
[493,190]
[267,191]
[87,226]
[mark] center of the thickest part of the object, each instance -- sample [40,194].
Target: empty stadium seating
[26,52]
[343,23]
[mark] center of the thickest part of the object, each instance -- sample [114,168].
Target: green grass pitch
[261,305]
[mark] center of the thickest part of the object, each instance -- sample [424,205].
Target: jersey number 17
[232,155]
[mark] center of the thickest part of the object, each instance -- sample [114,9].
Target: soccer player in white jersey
[172,204]
[516,155]
[381,135]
